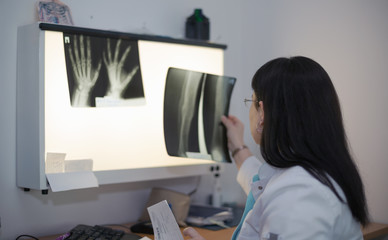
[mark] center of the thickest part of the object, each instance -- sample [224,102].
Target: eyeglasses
[247,101]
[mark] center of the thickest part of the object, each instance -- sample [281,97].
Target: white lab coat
[291,204]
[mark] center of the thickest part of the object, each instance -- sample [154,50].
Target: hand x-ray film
[103,71]
[193,105]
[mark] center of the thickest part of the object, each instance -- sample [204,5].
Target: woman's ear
[261,113]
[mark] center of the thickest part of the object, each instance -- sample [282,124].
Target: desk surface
[374,230]
[223,234]
[207,234]
[371,231]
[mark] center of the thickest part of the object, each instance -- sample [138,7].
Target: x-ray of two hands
[85,74]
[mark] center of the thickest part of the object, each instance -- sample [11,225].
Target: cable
[25,235]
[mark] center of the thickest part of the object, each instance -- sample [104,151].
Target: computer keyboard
[85,232]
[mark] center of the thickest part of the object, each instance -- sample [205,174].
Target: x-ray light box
[101,96]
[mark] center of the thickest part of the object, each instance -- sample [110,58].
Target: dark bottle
[198,26]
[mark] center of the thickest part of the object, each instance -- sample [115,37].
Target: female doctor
[309,187]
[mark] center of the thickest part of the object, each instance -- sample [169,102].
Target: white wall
[349,38]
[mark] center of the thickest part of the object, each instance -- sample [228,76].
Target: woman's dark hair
[303,126]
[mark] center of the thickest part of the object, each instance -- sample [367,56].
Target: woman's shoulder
[294,195]
[298,182]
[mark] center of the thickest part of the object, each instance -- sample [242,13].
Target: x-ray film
[103,72]
[193,105]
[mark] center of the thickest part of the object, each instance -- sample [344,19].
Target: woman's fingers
[192,233]
[225,120]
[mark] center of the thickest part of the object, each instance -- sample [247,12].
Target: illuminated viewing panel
[105,100]
[113,107]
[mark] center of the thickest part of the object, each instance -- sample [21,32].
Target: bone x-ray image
[102,71]
[193,105]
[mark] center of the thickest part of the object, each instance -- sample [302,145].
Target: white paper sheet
[163,222]
[55,162]
[78,165]
[71,180]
